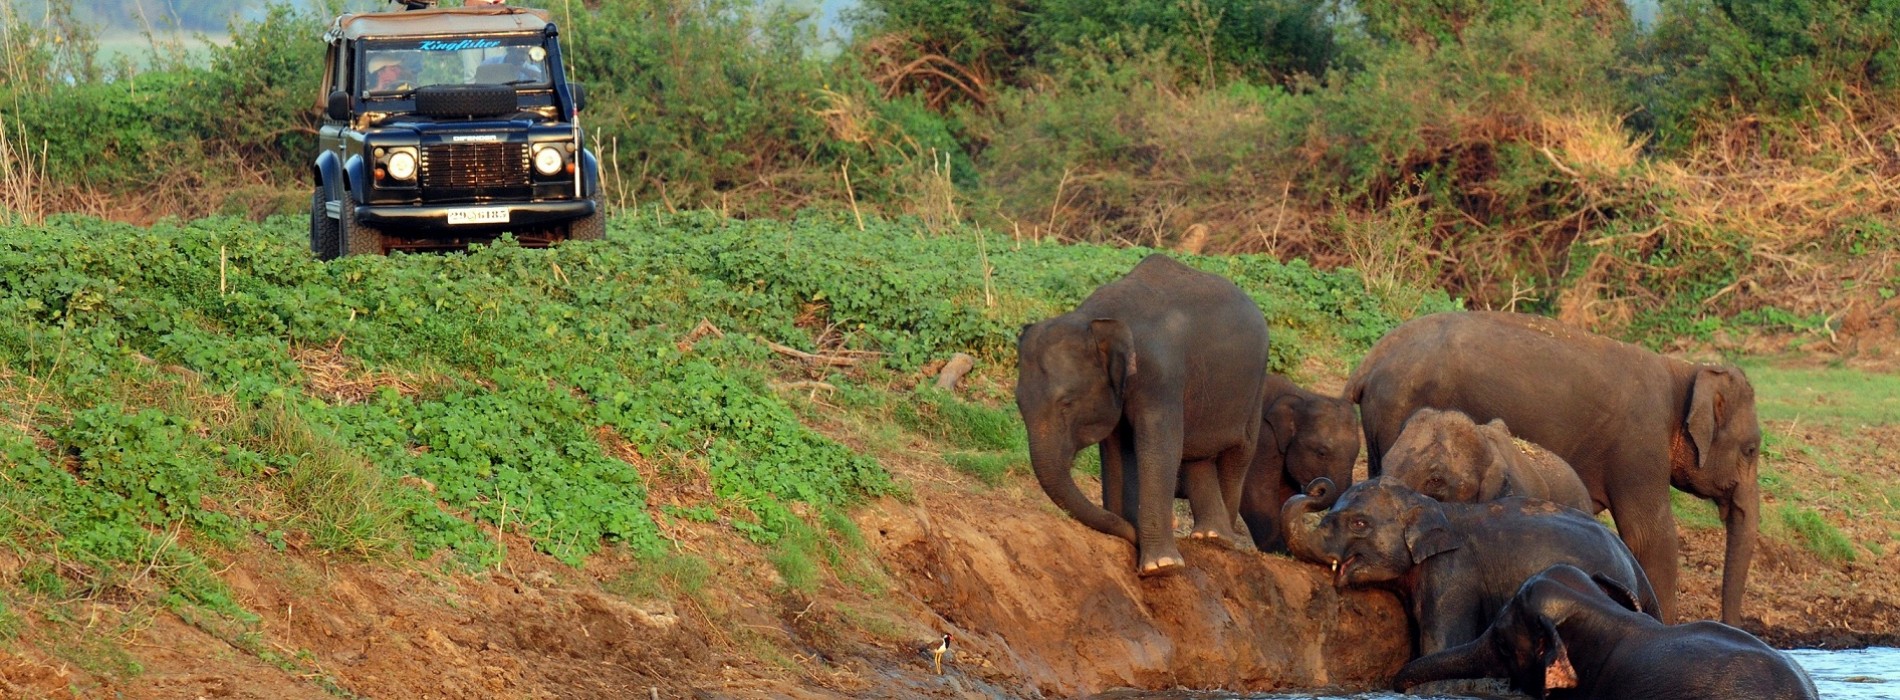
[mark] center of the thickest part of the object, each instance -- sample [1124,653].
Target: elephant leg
[1120,493]
[1212,520]
[1158,444]
[1232,464]
[1260,504]
[1648,527]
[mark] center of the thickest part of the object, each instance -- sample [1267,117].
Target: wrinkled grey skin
[1568,634]
[1162,369]
[1631,422]
[1453,563]
[1304,436]
[1443,454]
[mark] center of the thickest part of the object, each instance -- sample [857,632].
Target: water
[1859,674]
[1853,675]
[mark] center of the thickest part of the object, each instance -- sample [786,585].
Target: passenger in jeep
[387,73]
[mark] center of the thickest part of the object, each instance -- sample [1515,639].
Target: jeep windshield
[397,67]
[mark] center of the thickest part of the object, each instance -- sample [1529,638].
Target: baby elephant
[1569,634]
[1443,454]
[1452,563]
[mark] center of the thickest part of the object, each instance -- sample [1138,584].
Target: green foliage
[1261,39]
[1777,56]
[179,387]
[1816,533]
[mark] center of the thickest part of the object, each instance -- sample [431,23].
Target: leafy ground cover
[205,386]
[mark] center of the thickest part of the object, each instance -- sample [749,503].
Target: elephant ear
[1427,532]
[1619,593]
[1708,409]
[1545,604]
[1558,672]
[1494,468]
[1115,346]
[1284,421]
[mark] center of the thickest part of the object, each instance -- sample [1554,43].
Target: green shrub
[1773,56]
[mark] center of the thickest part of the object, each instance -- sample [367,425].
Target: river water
[1859,674]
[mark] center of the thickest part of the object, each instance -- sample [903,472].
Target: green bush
[1777,57]
[1005,40]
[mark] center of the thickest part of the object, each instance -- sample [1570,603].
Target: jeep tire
[592,227]
[324,242]
[357,238]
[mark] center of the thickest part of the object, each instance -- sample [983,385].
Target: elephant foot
[1162,566]
[1228,540]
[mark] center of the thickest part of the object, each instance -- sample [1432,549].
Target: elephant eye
[1359,525]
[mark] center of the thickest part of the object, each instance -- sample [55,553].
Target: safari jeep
[448,126]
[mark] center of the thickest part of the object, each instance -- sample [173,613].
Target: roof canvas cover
[444,20]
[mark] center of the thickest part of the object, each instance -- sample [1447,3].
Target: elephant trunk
[1473,659]
[1300,518]
[1741,513]
[1052,457]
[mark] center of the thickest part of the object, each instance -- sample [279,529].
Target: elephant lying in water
[1631,422]
[1453,564]
[1569,634]
[1443,454]
[1137,369]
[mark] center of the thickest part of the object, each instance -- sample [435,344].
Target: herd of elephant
[1492,440]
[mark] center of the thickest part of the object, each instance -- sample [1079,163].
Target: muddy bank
[1043,601]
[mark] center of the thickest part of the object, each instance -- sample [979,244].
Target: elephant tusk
[1335,566]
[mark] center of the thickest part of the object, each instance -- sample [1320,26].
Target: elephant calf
[1303,436]
[1453,563]
[1567,633]
[1445,455]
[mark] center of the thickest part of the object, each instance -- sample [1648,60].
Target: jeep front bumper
[425,219]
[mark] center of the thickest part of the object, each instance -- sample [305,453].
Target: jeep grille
[475,165]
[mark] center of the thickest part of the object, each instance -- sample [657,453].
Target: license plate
[486,215]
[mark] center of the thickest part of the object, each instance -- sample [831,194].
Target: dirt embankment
[1037,603]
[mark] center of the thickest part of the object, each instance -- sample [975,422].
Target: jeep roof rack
[440,20]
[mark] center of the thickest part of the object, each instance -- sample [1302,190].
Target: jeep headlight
[402,165]
[548,160]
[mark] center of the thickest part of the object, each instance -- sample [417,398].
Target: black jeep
[449,126]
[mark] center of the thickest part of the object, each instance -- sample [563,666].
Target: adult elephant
[1303,436]
[1630,421]
[1163,369]
[1452,563]
[1444,455]
[1570,634]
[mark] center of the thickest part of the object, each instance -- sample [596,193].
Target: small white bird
[937,653]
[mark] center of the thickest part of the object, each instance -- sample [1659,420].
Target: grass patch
[1816,534]
[1835,397]
[989,467]
[666,575]
[942,416]
[1693,513]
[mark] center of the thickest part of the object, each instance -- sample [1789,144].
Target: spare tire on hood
[465,100]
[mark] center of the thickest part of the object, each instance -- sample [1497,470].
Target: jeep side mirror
[338,106]
[579,92]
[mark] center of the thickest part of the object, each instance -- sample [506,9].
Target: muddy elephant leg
[1648,527]
[1158,443]
[1212,520]
[1119,486]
